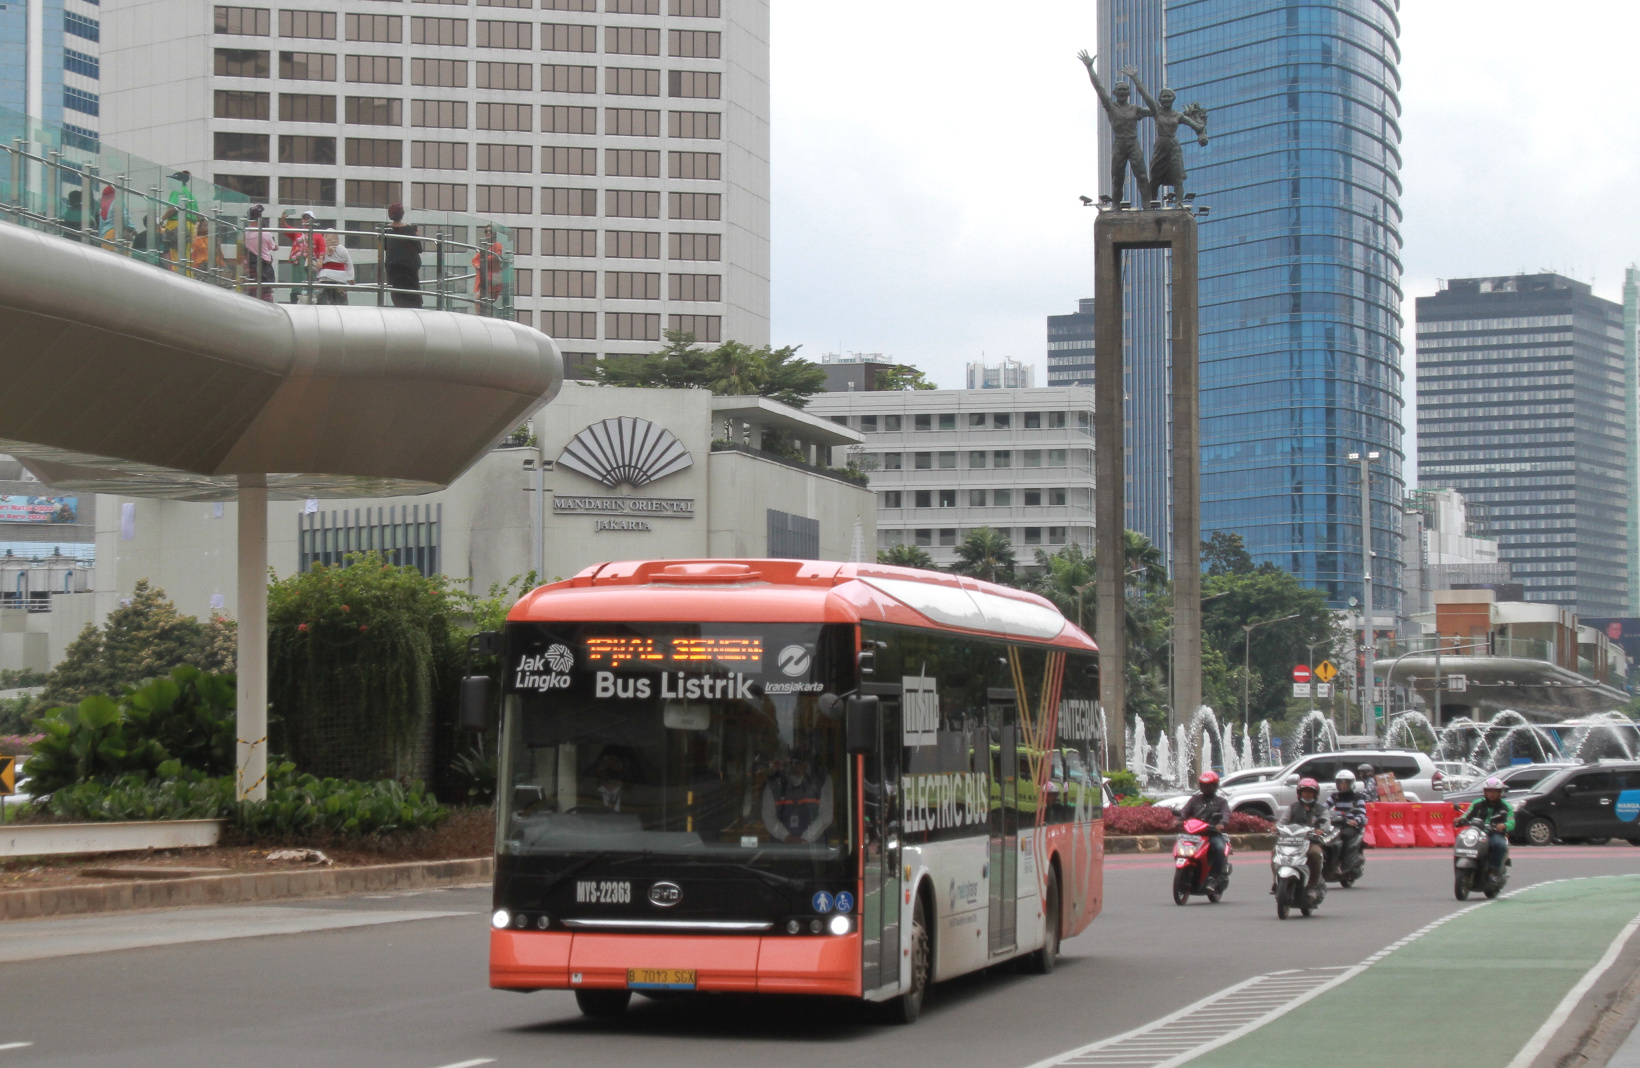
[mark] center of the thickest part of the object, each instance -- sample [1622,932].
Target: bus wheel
[908,1006]
[1042,961]
[602,1004]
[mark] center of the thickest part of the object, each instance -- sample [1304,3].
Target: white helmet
[1345,779]
[1492,783]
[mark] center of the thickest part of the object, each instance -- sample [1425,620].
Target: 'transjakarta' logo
[545,671]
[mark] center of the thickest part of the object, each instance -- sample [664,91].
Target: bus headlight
[840,925]
[501,919]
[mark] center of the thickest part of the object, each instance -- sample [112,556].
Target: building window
[406,535]
[373,194]
[580,365]
[632,285]
[1056,535]
[236,104]
[1084,421]
[694,84]
[439,114]
[505,199]
[1002,498]
[253,186]
[1056,420]
[81,101]
[569,200]
[889,499]
[495,75]
[948,461]
[427,155]
[303,148]
[245,63]
[976,420]
[632,81]
[634,7]
[557,78]
[922,461]
[696,247]
[694,205]
[569,242]
[438,31]
[700,327]
[307,107]
[557,118]
[1033,498]
[527,318]
[558,37]
[1056,497]
[632,41]
[505,116]
[378,29]
[583,284]
[316,25]
[1033,535]
[439,196]
[632,204]
[1033,420]
[1032,457]
[922,422]
[948,421]
[449,73]
[1002,458]
[699,9]
[492,34]
[923,498]
[307,66]
[868,424]
[696,287]
[948,535]
[632,163]
[241,147]
[976,498]
[976,459]
[505,157]
[892,461]
[924,536]
[318,192]
[1002,420]
[707,125]
[694,44]
[556,160]
[377,70]
[569,324]
[948,498]
[562,5]
[632,122]
[91,30]
[632,245]
[707,166]
[1056,457]
[632,326]
[242,20]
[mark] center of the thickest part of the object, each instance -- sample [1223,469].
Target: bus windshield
[721,740]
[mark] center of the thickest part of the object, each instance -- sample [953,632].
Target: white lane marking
[14,1045]
[1556,1019]
[470,1064]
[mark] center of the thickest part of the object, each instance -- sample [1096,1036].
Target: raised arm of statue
[1144,94]
[1087,61]
[1195,117]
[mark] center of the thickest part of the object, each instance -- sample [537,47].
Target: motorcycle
[1192,865]
[1290,862]
[1345,860]
[1471,866]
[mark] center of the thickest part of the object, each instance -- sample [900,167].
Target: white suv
[1415,771]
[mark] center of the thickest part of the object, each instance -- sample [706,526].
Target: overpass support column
[252,657]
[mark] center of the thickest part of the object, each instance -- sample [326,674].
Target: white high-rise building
[625,142]
[1009,374]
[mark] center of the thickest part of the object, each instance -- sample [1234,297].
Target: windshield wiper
[558,880]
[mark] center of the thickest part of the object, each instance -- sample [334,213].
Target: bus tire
[908,1006]
[1043,960]
[602,1004]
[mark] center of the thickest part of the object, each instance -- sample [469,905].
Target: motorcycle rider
[1368,779]
[1206,805]
[1493,814]
[1309,811]
[1349,809]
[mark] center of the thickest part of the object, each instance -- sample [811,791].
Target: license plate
[660,978]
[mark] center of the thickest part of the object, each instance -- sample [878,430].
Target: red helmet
[1309,784]
[1208,778]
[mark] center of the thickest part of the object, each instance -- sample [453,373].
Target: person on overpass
[797,801]
[1493,814]
[1309,811]
[1206,805]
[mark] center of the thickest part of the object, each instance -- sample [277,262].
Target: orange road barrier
[1392,823]
[1432,826]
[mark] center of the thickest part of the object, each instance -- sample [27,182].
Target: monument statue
[1166,157]
[1124,134]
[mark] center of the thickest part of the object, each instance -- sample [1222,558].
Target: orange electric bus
[785,776]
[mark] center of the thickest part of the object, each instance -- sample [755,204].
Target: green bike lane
[1476,987]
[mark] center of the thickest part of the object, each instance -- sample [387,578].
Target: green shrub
[1124,784]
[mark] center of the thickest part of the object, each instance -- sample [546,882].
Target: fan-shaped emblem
[625,451]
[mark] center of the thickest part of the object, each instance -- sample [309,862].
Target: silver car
[1415,771]
[1245,777]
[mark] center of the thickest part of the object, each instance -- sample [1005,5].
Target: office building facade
[1300,272]
[625,143]
[1522,409]
[943,462]
[50,64]
[1009,374]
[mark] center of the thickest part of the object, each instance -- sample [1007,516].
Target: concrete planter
[1163,843]
[58,839]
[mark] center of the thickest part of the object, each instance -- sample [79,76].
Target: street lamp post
[1309,662]
[1370,711]
[1247,630]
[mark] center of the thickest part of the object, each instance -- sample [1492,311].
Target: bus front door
[1003,866]
[880,894]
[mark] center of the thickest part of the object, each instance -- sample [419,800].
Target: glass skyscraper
[50,65]
[1300,269]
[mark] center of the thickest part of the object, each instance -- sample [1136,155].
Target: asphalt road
[398,982]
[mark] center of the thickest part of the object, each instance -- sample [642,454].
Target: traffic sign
[1323,689]
[1301,673]
[1457,683]
[1325,671]
[1301,689]
[8,775]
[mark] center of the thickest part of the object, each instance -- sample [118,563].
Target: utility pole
[1369,710]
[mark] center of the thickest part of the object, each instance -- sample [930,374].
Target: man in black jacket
[1206,805]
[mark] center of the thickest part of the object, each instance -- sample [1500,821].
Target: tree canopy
[906,556]
[730,369]
[144,638]
[902,377]
[986,554]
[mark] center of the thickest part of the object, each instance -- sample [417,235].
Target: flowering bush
[1148,819]
[17,744]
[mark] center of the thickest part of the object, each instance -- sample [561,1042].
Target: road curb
[1156,843]
[237,889]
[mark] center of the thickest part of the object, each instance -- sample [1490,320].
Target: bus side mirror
[475,703]
[860,724]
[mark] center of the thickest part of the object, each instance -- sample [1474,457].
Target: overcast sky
[927,160]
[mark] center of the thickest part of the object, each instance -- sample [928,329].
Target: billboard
[1624,633]
[19,509]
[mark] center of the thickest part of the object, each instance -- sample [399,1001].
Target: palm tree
[906,556]
[1144,558]
[735,370]
[986,554]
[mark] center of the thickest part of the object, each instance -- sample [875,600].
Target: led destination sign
[616,651]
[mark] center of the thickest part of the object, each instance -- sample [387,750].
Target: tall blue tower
[1300,269]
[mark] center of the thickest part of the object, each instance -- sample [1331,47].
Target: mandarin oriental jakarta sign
[624,452]
[19,509]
